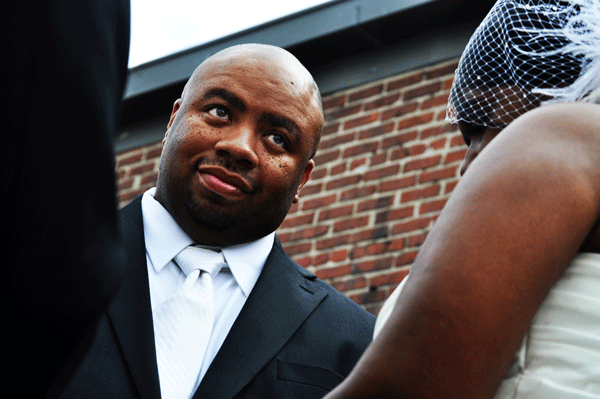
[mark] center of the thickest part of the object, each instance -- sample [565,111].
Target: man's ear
[305,176]
[176,106]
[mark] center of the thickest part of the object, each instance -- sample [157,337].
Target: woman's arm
[517,218]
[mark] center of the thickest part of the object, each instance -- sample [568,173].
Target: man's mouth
[223,182]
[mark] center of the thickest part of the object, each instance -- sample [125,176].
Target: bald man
[239,147]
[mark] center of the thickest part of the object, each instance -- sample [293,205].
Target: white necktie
[184,322]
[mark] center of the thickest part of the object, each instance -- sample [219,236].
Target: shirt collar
[164,239]
[246,261]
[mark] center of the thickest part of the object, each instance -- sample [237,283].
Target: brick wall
[385,167]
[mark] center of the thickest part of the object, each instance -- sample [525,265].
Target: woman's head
[524,53]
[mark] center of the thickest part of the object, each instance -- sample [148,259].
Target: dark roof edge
[285,32]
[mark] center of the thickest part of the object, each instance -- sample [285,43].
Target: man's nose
[239,144]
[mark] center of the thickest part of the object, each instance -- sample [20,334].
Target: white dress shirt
[164,239]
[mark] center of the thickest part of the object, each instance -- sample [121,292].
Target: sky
[163,27]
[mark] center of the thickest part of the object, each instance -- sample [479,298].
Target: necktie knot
[197,258]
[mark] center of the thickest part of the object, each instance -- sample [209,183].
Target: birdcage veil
[526,53]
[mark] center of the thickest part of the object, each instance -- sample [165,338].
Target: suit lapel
[130,312]
[280,302]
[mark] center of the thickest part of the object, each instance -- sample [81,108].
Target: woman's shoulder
[573,116]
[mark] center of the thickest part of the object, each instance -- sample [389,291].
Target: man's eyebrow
[283,122]
[227,96]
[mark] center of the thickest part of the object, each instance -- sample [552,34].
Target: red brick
[375,203]
[318,172]
[319,202]
[399,139]
[364,93]
[455,156]
[422,91]
[125,184]
[404,81]
[422,163]
[128,159]
[447,83]
[343,182]
[438,144]
[376,131]
[342,112]
[321,259]
[361,120]
[420,193]
[400,110]
[357,192]
[432,206]
[334,101]
[417,149]
[370,234]
[332,272]
[378,159]
[138,170]
[413,121]
[416,240]
[382,172]
[394,214]
[154,152]
[417,224]
[390,278]
[441,71]
[294,249]
[349,224]
[284,237]
[149,180]
[406,258]
[396,245]
[377,248]
[368,297]
[330,128]
[333,213]
[295,221]
[350,284]
[436,101]
[450,187]
[304,261]
[337,169]
[457,141]
[325,157]
[310,189]
[336,140]
[440,174]
[373,265]
[310,232]
[332,242]
[436,130]
[396,184]
[339,255]
[382,102]
[357,162]
[359,149]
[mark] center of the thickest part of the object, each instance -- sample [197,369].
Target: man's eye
[219,112]
[277,139]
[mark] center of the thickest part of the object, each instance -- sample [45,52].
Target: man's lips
[223,182]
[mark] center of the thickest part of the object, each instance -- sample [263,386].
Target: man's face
[238,148]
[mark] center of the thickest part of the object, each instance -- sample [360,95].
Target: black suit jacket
[64,66]
[295,337]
